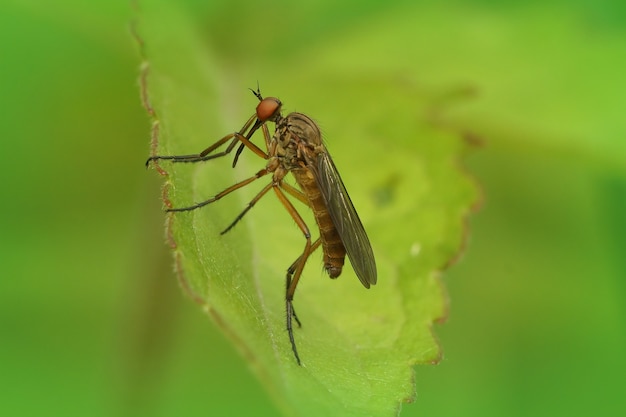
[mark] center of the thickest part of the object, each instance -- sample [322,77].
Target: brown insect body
[297,147]
[299,140]
[332,245]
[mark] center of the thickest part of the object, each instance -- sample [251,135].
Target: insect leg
[206,155]
[229,190]
[248,207]
[291,288]
[294,192]
[266,136]
[198,157]
[292,269]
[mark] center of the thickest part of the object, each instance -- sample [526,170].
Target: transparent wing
[345,219]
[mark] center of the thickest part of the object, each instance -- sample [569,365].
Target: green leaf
[358,347]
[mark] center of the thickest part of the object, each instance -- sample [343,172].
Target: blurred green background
[92,322]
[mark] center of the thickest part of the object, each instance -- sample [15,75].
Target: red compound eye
[267,108]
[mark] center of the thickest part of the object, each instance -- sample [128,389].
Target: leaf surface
[358,347]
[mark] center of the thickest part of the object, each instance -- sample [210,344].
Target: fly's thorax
[285,149]
[297,139]
[304,128]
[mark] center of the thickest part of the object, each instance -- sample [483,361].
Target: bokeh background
[92,321]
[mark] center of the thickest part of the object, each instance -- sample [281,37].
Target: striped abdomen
[334,250]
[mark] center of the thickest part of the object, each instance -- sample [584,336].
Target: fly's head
[268,109]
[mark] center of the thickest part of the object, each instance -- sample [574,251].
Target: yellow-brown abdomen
[334,251]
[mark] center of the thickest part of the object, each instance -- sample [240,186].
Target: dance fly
[297,148]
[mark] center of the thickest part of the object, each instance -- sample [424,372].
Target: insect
[296,147]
